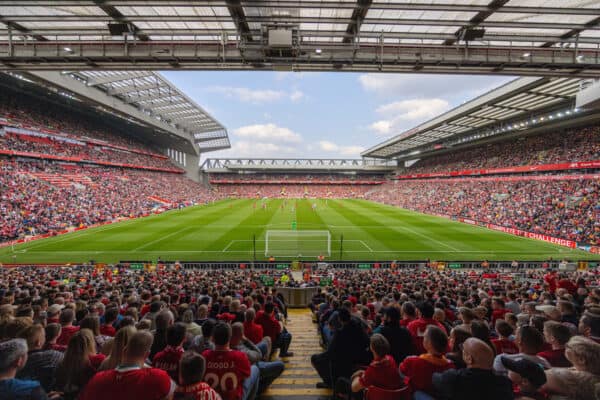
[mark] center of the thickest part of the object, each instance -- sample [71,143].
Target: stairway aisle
[299,379]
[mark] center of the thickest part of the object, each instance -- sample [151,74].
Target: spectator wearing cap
[557,335]
[191,371]
[13,357]
[550,312]
[398,337]
[475,382]
[131,380]
[417,327]
[527,378]
[418,370]
[530,342]
[41,364]
[53,313]
[382,372]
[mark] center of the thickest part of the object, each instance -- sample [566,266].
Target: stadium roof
[152,93]
[516,105]
[517,37]
[147,97]
[297,165]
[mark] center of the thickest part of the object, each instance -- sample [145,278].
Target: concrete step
[299,379]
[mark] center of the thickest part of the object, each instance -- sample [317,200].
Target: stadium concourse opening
[209,232]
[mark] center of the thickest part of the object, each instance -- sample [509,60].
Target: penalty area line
[228,246]
[366,245]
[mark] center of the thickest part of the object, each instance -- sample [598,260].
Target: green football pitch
[235,229]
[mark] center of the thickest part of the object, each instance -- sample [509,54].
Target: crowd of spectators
[284,177]
[291,191]
[568,209]
[32,112]
[580,144]
[32,206]
[428,334]
[83,333]
[85,151]
[198,334]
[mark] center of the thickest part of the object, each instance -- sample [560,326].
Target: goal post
[290,243]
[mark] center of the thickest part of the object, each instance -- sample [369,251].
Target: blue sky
[331,115]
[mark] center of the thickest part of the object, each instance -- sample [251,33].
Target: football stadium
[298,199]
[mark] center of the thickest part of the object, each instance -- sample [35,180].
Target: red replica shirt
[96,360]
[145,309]
[417,331]
[65,335]
[226,371]
[269,324]
[505,346]
[498,314]
[168,360]
[567,284]
[197,391]
[556,358]
[128,384]
[108,330]
[419,369]
[253,332]
[551,280]
[382,374]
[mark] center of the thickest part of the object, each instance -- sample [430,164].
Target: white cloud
[249,95]
[257,96]
[414,108]
[382,127]
[430,85]
[330,147]
[401,115]
[268,132]
[296,95]
[353,151]
[326,145]
[257,149]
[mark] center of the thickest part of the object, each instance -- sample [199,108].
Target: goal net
[284,243]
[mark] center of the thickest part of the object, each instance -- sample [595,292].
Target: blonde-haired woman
[79,364]
[117,348]
[579,381]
